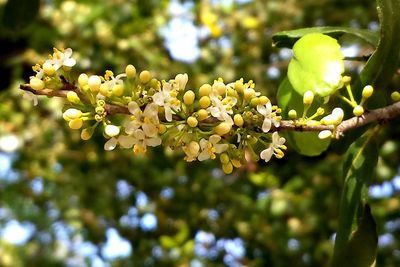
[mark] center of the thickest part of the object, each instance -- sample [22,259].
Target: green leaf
[19,14]
[288,38]
[358,170]
[305,143]
[317,65]
[383,63]
[360,251]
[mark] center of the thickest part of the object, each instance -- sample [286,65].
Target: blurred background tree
[64,202]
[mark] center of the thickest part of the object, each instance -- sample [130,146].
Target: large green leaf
[305,143]
[383,63]
[317,65]
[288,38]
[358,169]
[360,251]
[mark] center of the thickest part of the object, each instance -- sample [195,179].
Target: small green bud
[227,168]
[367,91]
[73,97]
[320,111]
[395,96]
[255,101]
[292,114]
[224,158]
[358,111]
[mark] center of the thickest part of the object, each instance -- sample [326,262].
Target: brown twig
[376,115]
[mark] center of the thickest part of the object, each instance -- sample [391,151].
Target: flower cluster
[218,120]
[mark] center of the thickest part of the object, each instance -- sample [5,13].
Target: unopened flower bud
[238,120]
[358,110]
[87,133]
[224,158]
[227,168]
[192,121]
[367,91]
[188,98]
[73,97]
[205,90]
[239,86]
[346,79]
[75,123]
[36,83]
[94,83]
[204,102]
[255,101]
[263,100]
[118,90]
[71,114]
[130,71]
[395,96]
[223,128]
[194,147]
[145,76]
[324,134]
[249,93]
[202,114]
[83,80]
[292,114]
[339,114]
[236,163]
[182,80]
[111,130]
[320,111]
[308,98]
[219,88]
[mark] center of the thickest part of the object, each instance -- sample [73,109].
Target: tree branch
[376,115]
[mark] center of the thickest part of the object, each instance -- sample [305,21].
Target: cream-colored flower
[269,117]
[147,119]
[191,150]
[60,58]
[167,98]
[275,148]
[211,147]
[222,108]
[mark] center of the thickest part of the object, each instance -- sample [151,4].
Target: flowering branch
[376,115]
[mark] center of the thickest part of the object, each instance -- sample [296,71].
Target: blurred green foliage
[282,214]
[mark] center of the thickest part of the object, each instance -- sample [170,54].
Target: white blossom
[269,117]
[222,109]
[167,98]
[211,147]
[275,148]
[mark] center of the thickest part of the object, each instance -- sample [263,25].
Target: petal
[110,144]
[168,113]
[133,108]
[214,139]
[261,109]
[155,141]
[69,62]
[126,141]
[266,125]
[275,138]
[219,148]
[266,154]
[158,98]
[203,155]
[68,52]
[149,129]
